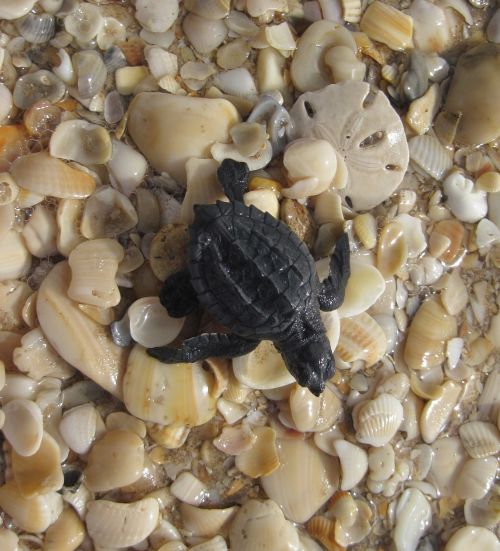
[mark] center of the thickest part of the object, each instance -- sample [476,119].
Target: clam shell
[378,420]
[111,524]
[316,475]
[366,284]
[67,532]
[388,25]
[31,514]
[81,141]
[23,425]
[262,458]
[437,412]
[480,439]
[431,327]
[261,524]
[116,460]
[429,155]
[82,342]
[40,473]
[413,519]
[361,338]
[78,427]
[167,393]
[41,173]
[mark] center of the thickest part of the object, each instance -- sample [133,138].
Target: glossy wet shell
[248,269]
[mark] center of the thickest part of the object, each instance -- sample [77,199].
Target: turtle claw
[332,289]
[233,177]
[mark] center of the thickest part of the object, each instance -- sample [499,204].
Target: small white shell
[78,427]
[237,82]
[15,259]
[150,324]
[206,522]
[280,37]
[414,233]
[480,439]
[13,9]
[430,156]
[112,32]
[413,519]
[23,426]
[472,537]
[378,420]
[353,461]
[127,167]
[221,151]
[381,462]
[204,34]
[467,204]
[112,524]
[188,489]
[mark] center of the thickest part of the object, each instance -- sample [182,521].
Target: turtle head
[311,364]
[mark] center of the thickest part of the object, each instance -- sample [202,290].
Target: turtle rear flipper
[204,346]
[233,177]
[332,289]
[178,296]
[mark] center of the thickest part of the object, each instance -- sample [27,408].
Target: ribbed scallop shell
[480,439]
[43,174]
[323,529]
[378,420]
[428,153]
[361,338]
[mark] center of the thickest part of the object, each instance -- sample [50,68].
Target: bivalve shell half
[378,420]
[261,525]
[430,156]
[476,478]
[353,461]
[78,427]
[361,338]
[43,174]
[472,537]
[111,524]
[80,141]
[32,514]
[262,458]
[315,475]
[429,331]
[41,472]
[388,25]
[413,519]
[23,426]
[189,489]
[167,393]
[66,534]
[480,439]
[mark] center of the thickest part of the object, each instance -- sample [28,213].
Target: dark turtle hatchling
[256,277]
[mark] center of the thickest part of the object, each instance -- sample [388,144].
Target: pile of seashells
[379,119]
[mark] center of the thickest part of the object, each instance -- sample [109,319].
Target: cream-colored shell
[353,462]
[194,125]
[437,412]
[111,524]
[23,426]
[206,522]
[78,427]
[388,25]
[365,285]
[40,232]
[378,420]
[413,519]
[80,141]
[480,439]
[261,458]
[361,338]
[167,393]
[66,534]
[476,478]
[470,537]
[15,258]
[78,339]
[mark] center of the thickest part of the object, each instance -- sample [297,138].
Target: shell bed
[295,206]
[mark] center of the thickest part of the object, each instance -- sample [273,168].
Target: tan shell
[388,25]
[313,413]
[316,477]
[66,534]
[437,412]
[480,439]
[323,529]
[429,330]
[167,393]
[392,251]
[454,231]
[82,342]
[43,174]
[41,472]
[111,524]
[365,227]
[361,338]
[194,125]
[262,458]
[23,426]
[116,460]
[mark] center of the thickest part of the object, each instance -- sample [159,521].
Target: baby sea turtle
[256,277]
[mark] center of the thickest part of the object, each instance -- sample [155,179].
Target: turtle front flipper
[204,346]
[178,296]
[332,289]
[233,177]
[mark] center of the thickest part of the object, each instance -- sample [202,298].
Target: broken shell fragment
[189,489]
[66,534]
[112,524]
[378,420]
[437,412]
[430,156]
[35,86]
[194,125]
[353,462]
[81,141]
[388,25]
[40,232]
[413,519]
[465,203]
[262,458]
[364,287]
[476,478]
[15,258]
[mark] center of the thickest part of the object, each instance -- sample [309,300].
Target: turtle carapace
[257,278]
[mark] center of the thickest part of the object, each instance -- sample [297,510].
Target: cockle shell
[41,173]
[23,426]
[431,327]
[361,338]
[112,524]
[81,141]
[167,393]
[388,25]
[316,474]
[78,339]
[78,427]
[194,125]
[367,133]
[480,439]
[378,420]
[261,524]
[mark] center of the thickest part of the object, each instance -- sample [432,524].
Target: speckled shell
[273,270]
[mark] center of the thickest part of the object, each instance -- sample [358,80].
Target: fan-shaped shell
[480,439]
[378,420]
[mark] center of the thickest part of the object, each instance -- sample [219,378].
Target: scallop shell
[112,524]
[81,141]
[378,420]
[262,458]
[316,475]
[43,174]
[261,524]
[388,25]
[480,439]
[40,473]
[167,393]
[323,529]
[23,425]
[361,338]
[430,156]
[430,328]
